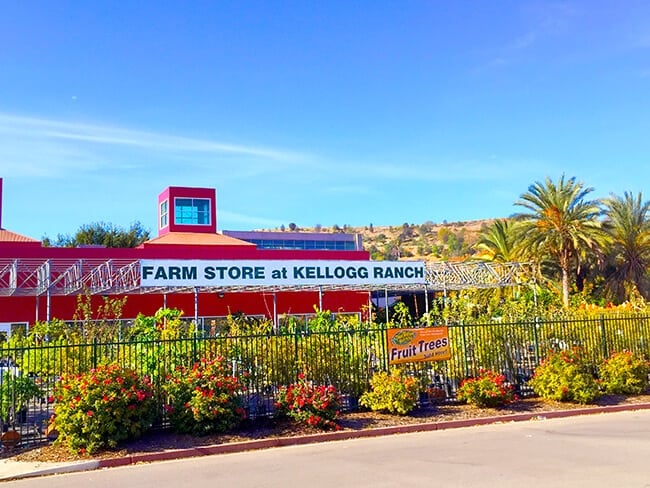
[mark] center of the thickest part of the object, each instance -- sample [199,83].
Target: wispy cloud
[543,21]
[524,42]
[40,146]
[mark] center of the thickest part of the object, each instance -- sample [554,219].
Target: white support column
[426,304]
[196,306]
[48,281]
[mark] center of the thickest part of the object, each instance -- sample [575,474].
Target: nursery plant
[566,376]
[315,405]
[488,389]
[624,373]
[204,398]
[393,392]
[15,394]
[101,408]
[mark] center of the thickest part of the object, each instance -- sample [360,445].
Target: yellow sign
[414,345]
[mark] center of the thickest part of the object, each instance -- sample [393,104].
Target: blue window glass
[192,211]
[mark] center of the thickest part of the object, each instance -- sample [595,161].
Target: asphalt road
[608,450]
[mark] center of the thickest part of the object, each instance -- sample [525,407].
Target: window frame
[181,218]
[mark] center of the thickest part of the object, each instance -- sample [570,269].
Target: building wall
[24,309]
[18,308]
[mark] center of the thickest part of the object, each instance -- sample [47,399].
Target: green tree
[499,242]
[562,223]
[628,228]
[102,234]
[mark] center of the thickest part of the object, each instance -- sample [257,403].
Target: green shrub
[624,373]
[392,392]
[566,376]
[316,405]
[204,398]
[101,408]
[15,394]
[488,389]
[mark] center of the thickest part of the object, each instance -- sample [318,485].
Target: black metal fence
[344,358]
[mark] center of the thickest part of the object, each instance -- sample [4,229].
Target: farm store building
[189,266]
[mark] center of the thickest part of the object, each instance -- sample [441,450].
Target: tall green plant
[628,227]
[561,222]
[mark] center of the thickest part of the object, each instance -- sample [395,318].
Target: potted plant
[15,394]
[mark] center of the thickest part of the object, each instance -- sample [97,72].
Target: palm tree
[498,242]
[628,227]
[560,223]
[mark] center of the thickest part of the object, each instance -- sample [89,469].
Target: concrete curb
[12,470]
[25,472]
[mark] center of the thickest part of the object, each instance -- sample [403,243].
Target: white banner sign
[163,272]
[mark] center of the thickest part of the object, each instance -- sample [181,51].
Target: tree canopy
[102,234]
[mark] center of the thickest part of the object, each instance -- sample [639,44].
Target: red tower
[184,209]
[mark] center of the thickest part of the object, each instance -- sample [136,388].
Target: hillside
[428,241]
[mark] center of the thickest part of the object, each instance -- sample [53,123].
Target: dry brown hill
[427,241]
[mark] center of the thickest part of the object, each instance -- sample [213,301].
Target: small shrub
[624,373]
[204,398]
[102,407]
[15,394]
[488,389]
[565,376]
[316,405]
[392,392]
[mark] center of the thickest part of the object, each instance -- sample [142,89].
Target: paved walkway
[11,469]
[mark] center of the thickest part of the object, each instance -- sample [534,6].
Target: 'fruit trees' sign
[414,345]
[163,272]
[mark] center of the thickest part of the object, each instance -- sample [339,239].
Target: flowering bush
[566,376]
[204,398]
[102,407]
[316,405]
[624,373]
[488,389]
[392,392]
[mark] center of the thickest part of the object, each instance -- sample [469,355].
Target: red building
[41,283]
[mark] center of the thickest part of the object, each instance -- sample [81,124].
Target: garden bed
[265,428]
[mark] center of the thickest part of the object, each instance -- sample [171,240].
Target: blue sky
[326,113]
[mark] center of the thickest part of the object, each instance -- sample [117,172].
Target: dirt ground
[271,428]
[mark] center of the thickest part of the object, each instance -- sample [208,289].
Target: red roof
[196,239]
[8,236]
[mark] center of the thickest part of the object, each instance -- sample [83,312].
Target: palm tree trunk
[565,287]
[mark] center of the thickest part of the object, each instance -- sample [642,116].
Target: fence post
[603,336]
[536,324]
[94,352]
[295,348]
[462,328]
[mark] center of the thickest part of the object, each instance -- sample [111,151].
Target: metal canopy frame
[56,277]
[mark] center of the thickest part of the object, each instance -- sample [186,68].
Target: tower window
[164,214]
[192,211]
